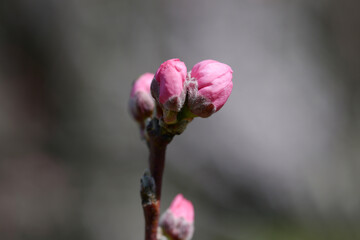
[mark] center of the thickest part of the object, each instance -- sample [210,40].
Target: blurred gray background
[281,160]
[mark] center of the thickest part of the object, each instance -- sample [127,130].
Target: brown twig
[157,139]
[151,206]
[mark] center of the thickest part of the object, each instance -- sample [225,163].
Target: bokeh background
[281,160]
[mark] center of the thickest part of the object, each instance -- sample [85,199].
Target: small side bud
[178,221]
[168,89]
[147,188]
[209,86]
[141,103]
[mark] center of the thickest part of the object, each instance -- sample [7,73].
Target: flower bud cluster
[180,95]
[172,98]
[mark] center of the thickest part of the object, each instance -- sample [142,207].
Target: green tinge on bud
[176,128]
[170,117]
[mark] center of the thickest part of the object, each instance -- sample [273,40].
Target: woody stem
[158,139]
[151,206]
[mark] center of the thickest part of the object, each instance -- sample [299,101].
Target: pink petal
[142,84]
[214,81]
[171,76]
[181,207]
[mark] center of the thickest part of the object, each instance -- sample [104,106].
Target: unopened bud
[141,103]
[168,88]
[209,86]
[178,221]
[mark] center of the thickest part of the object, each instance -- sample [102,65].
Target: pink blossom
[182,208]
[168,86]
[178,220]
[209,87]
[141,103]
[142,84]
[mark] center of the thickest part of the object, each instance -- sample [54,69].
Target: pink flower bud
[141,103]
[209,87]
[168,88]
[178,221]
